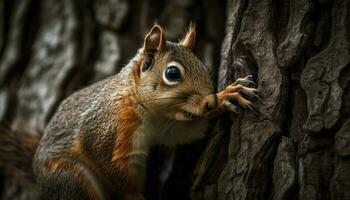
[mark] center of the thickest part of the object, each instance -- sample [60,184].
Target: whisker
[172,122]
[161,98]
[167,126]
[163,107]
[167,106]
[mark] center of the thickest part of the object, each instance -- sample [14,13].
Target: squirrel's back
[83,131]
[83,109]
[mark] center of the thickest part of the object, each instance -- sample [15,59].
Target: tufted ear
[189,39]
[155,40]
[154,43]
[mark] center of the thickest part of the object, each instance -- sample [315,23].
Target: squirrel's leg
[219,102]
[67,179]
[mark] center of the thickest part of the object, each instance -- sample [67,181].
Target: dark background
[298,147]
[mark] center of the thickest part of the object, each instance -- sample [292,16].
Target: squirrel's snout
[196,105]
[209,102]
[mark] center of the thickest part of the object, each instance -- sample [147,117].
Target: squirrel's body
[73,133]
[96,144]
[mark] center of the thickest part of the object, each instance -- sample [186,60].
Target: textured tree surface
[295,146]
[298,147]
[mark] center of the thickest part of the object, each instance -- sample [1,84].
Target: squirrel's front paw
[234,92]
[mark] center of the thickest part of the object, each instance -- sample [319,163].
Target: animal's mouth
[185,115]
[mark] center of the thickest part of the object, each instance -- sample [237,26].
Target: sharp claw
[258,98]
[256,95]
[247,83]
[251,92]
[250,106]
[254,109]
[251,83]
[249,77]
[248,80]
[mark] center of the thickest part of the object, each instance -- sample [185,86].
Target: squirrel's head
[170,79]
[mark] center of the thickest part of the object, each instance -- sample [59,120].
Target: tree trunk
[296,145]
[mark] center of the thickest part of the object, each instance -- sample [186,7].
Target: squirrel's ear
[189,39]
[155,40]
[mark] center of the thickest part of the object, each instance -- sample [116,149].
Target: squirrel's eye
[173,73]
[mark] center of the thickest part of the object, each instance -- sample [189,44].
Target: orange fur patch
[77,147]
[60,164]
[128,121]
[78,152]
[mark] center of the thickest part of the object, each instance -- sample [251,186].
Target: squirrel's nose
[209,102]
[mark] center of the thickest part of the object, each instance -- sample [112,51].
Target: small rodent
[96,144]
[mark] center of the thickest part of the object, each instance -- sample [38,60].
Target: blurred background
[297,144]
[49,49]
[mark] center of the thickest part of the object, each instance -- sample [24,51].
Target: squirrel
[96,144]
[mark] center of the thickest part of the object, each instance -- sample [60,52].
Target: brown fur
[189,39]
[78,152]
[128,121]
[77,148]
[60,164]
[16,153]
[137,68]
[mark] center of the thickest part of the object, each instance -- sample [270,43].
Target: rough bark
[295,146]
